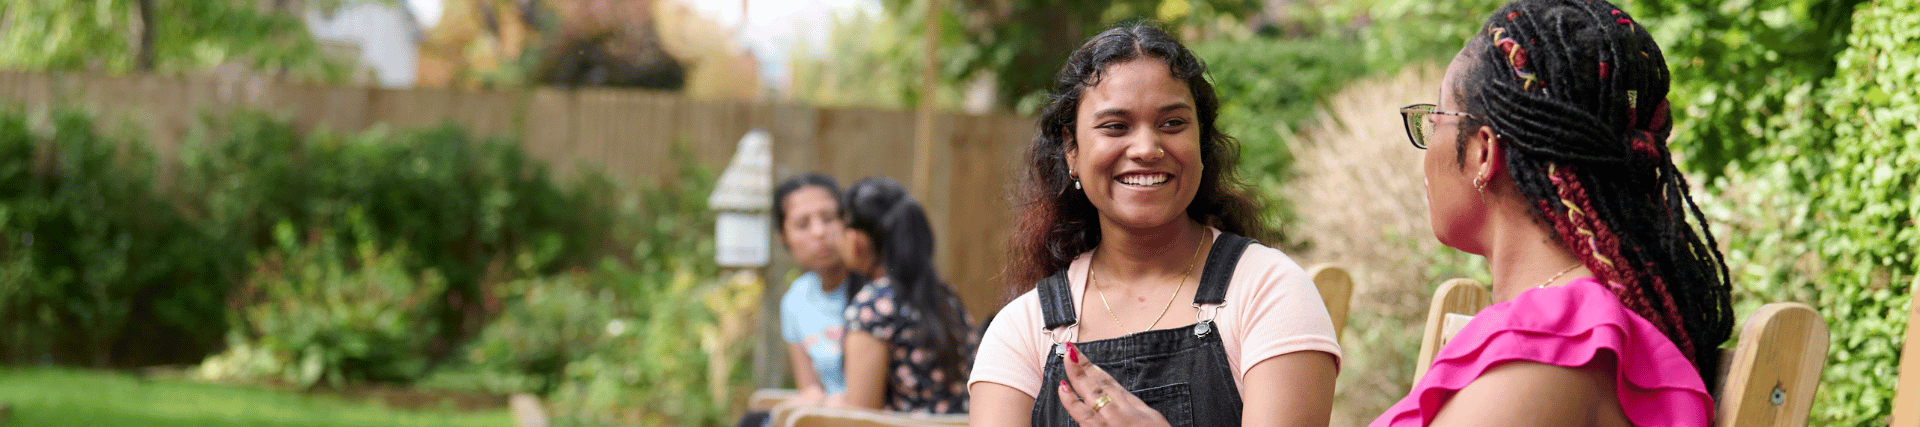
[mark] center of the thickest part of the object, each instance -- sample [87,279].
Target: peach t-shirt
[1272,309]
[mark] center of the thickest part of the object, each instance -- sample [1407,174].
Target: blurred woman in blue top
[808,207]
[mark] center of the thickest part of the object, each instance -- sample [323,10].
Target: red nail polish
[1073,353]
[1063,384]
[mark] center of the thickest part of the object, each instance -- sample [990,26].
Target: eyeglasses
[1418,128]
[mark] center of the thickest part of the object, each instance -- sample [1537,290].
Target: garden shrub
[332,311]
[653,336]
[1269,87]
[460,202]
[100,260]
[547,323]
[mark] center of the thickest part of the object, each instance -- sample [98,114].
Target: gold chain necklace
[1095,283]
[1557,275]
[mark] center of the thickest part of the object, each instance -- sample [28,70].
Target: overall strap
[1221,261]
[1056,300]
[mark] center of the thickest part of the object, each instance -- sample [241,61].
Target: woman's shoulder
[1264,266]
[1571,326]
[1260,255]
[1019,315]
[874,290]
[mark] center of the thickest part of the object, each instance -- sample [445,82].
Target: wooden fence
[626,133]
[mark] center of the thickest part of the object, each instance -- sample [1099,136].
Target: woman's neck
[831,278]
[1524,254]
[1167,250]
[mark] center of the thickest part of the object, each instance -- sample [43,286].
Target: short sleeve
[874,311]
[1012,351]
[793,306]
[1279,309]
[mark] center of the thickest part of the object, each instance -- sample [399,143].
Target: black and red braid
[1577,91]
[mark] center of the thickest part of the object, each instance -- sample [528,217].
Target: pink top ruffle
[1566,326]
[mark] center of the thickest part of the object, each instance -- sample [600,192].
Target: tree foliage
[1746,72]
[157,35]
[1020,44]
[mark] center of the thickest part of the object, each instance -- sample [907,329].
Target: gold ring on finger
[1101,403]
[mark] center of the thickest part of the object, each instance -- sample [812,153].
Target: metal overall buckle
[1203,319]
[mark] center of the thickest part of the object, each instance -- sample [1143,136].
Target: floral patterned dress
[913,383]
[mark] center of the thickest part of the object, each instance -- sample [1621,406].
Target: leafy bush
[1269,87]
[547,323]
[96,255]
[460,202]
[1747,75]
[700,377]
[330,311]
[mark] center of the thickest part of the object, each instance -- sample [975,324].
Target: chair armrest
[765,399]
[818,416]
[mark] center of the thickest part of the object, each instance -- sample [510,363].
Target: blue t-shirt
[813,319]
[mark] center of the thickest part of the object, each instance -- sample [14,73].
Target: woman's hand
[1093,398]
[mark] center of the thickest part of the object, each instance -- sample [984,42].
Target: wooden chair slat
[1459,297]
[841,417]
[1336,290]
[1775,367]
[765,399]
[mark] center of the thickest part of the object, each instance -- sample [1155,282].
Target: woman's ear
[1487,156]
[1070,150]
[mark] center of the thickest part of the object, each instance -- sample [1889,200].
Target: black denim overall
[1181,372]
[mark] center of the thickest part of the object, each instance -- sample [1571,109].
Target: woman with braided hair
[1549,158]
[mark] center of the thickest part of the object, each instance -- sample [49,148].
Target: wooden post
[929,83]
[1906,400]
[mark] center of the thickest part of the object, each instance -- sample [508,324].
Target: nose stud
[1160,151]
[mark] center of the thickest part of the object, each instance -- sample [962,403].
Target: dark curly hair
[1056,224]
[1576,90]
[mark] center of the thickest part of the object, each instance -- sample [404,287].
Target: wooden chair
[765,399]
[814,416]
[1336,290]
[1768,379]
[1906,398]
[1454,303]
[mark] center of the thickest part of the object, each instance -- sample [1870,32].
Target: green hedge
[1865,212]
[107,257]
[96,261]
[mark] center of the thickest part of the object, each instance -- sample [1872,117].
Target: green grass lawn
[66,397]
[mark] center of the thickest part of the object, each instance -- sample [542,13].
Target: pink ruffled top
[1566,326]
